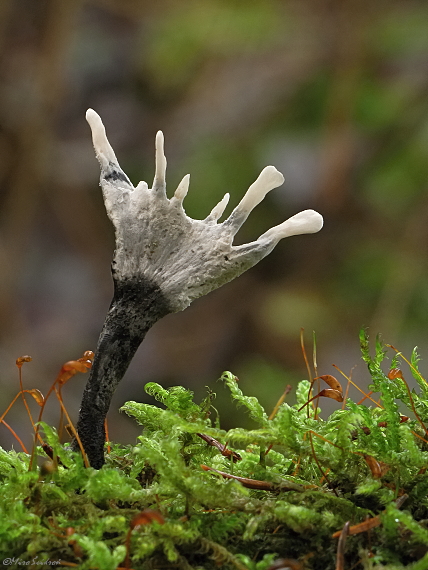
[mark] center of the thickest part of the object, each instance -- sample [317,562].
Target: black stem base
[137,304]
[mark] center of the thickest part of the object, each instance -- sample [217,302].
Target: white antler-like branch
[163,260]
[156,240]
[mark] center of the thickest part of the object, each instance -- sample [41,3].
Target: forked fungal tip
[270,175]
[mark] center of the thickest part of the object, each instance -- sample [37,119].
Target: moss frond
[280,490]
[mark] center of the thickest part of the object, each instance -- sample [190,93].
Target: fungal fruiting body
[163,261]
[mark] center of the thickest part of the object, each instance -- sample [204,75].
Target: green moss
[316,475]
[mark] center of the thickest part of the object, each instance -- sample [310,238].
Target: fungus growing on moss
[162,262]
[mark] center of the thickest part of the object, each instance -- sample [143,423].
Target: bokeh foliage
[333,93]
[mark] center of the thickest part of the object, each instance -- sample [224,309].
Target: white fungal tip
[91,115]
[103,149]
[268,179]
[182,188]
[306,222]
[159,181]
[160,140]
[218,210]
[271,177]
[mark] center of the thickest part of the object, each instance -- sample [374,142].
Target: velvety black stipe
[137,304]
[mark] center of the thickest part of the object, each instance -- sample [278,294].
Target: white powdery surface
[156,240]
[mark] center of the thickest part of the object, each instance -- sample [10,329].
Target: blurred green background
[333,93]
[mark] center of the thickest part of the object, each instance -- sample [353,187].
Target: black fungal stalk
[162,262]
[136,306]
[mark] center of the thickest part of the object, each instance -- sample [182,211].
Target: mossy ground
[153,506]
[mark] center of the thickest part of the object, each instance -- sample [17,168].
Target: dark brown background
[333,93]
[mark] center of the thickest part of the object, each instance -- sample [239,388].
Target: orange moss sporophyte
[68,370]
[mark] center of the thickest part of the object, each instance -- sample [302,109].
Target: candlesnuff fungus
[162,262]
